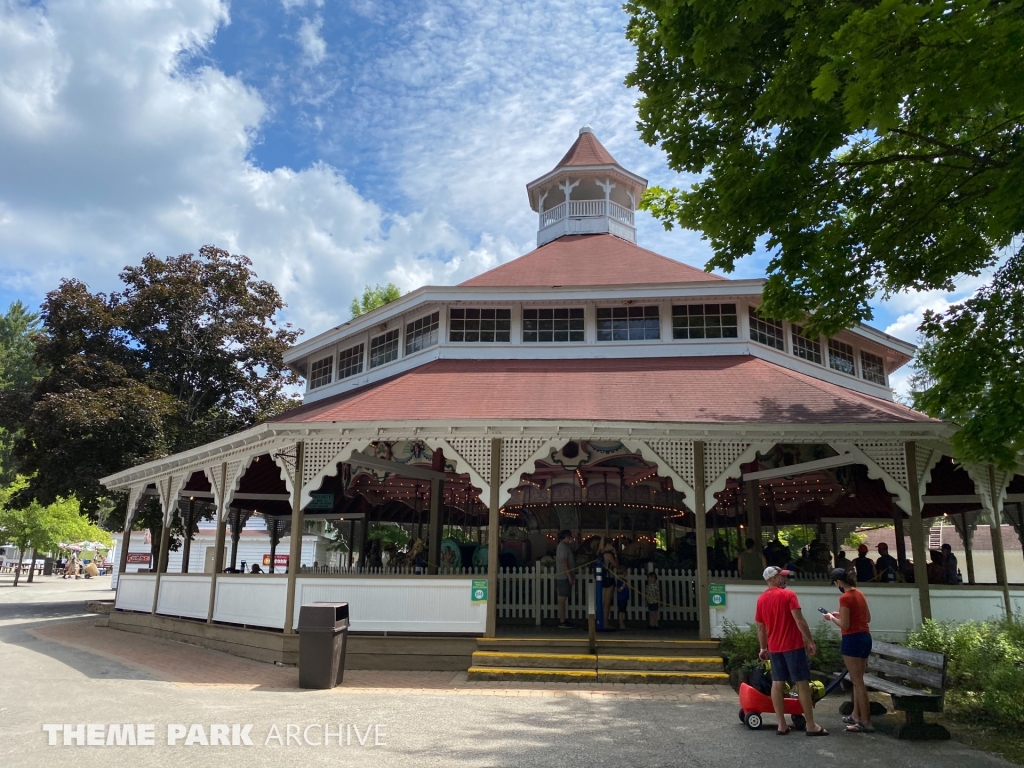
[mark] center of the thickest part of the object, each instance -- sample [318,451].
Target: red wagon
[753,703]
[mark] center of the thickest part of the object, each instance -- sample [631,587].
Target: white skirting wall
[184,595]
[135,592]
[376,604]
[396,604]
[252,600]
[444,604]
[895,610]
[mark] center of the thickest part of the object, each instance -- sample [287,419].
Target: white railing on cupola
[586,216]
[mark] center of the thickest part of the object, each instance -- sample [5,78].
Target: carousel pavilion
[590,385]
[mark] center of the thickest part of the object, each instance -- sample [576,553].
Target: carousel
[592,386]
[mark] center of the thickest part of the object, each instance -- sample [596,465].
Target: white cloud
[113,148]
[482,97]
[114,144]
[314,47]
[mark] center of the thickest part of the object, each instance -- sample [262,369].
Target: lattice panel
[718,457]
[169,487]
[318,454]
[477,451]
[889,457]
[967,536]
[1014,515]
[678,454]
[515,451]
[979,474]
[286,461]
[924,461]
[134,497]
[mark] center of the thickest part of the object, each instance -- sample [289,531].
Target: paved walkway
[59,668]
[190,666]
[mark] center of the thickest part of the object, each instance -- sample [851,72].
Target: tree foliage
[374,297]
[18,375]
[971,369]
[43,528]
[872,146]
[189,351]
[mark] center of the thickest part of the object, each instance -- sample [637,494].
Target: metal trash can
[323,633]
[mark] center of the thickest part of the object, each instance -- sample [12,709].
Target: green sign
[716,595]
[321,501]
[478,593]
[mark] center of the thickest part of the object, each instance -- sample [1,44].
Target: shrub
[984,666]
[739,646]
[829,659]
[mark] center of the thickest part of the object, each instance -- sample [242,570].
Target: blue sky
[335,143]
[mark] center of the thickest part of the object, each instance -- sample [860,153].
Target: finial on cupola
[586,129]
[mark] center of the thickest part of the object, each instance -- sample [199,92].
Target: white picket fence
[529,593]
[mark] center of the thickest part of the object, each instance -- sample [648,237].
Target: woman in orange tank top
[853,619]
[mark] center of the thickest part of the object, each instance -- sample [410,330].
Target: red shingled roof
[728,389]
[603,259]
[587,150]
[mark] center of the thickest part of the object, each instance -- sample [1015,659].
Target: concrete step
[687,648]
[576,643]
[528,675]
[494,659]
[609,662]
[540,675]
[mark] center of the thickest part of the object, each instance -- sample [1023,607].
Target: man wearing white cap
[785,637]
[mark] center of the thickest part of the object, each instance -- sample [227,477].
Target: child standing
[621,595]
[653,596]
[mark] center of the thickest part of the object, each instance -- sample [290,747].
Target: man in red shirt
[785,637]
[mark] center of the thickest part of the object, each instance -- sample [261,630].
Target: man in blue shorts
[785,637]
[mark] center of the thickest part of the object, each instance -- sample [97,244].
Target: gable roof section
[689,390]
[578,260]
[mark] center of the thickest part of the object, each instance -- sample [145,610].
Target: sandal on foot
[849,719]
[859,728]
[820,732]
[784,732]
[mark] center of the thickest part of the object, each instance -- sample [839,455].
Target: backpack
[760,679]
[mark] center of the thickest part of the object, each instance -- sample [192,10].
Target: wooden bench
[916,681]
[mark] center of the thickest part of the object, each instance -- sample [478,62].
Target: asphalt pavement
[48,684]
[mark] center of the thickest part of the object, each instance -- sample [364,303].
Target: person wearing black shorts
[853,619]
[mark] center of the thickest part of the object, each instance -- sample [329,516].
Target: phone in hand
[823,611]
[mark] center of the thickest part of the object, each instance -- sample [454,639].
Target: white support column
[917,533]
[997,540]
[295,556]
[135,496]
[700,513]
[493,537]
[223,497]
[165,540]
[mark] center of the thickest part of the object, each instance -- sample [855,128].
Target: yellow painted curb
[663,659]
[527,671]
[511,655]
[662,674]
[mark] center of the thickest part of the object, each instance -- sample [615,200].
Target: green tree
[872,146]
[969,370]
[18,375]
[38,528]
[189,351]
[374,297]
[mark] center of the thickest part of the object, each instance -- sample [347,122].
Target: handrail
[549,217]
[586,209]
